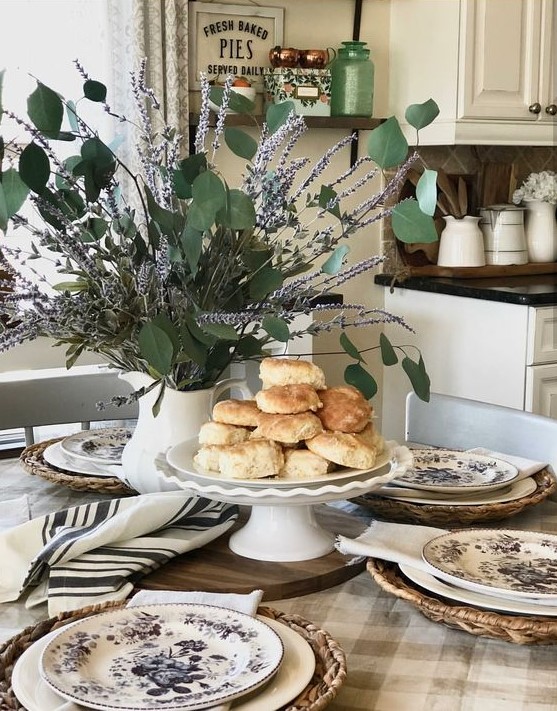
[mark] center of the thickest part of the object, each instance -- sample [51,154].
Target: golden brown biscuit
[284,371]
[347,450]
[303,464]
[344,409]
[371,435]
[255,459]
[243,413]
[208,457]
[288,399]
[219,433]
[288,428]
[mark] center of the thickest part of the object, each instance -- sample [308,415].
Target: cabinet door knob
[535,108]
[551,109]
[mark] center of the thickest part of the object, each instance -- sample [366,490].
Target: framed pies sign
[232,39]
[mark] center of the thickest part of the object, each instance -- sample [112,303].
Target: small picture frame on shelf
[232,39]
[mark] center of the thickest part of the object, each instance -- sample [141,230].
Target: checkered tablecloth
[397,659]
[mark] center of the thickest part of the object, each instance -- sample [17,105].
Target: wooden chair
[56,396]
[459,423]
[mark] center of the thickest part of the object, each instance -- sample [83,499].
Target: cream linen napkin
[93,553]
[247,604]
[397,542]
[526,467]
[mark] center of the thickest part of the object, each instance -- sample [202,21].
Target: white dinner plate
[180,657]
[517,490]
[102,446]
[489,602]
[57,457]
[498,562]
[180,457]
[293,676]
[452,472]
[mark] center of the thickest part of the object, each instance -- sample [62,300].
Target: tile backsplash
[468,160]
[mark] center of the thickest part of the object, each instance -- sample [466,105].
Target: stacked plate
[89,452]
[455,478]
[180,657]
[505,570]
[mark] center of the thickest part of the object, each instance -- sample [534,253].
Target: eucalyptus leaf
[349,347]
[326,196]
[194,349]
[355,375]
[254,259]
[221,330]
[94,90]
[69,164]
[240,104]
[249,346]
[334,263]
[410,224]
[264,282]
[418,377]
[34,167]
[421,115]
[426,191]
[209,196]
[239,213]
[45,109]
[277,114]
[15,191]
[71,113]
[188,170]
[3,210]
[156,346]
[277,328]
[388,353]
[70,286]
[162,321]
[387,145]
[192,242]
[240,142]
[163,217]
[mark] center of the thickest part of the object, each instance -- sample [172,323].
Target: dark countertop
[535,290]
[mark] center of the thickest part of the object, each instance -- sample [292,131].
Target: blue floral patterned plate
[508,563]
[179,657]
[103,446]
[450,471]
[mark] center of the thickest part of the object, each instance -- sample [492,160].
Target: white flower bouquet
[538,186]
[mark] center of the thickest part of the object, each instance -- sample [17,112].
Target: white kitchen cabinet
[487,63]
[541,373]
[485,350]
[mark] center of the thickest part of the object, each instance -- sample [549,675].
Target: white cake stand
[282,525]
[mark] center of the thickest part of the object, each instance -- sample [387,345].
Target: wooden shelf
[344,122]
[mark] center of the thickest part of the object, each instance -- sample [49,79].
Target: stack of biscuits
[295,428]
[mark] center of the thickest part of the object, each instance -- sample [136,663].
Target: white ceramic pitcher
[180,416]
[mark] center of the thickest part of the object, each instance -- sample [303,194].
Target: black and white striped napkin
[96,552]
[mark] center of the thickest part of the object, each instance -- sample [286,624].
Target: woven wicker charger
[33,462]
[446,515]
[517,629]
[328,677]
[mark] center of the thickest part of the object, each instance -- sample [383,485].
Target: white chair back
[55,396]
[459,423]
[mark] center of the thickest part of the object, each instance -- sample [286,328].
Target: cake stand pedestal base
[217,568]
[282,533]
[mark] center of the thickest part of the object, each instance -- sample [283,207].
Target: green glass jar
[352,75]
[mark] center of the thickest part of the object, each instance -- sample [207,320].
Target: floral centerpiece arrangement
[538,186]
[178,270]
